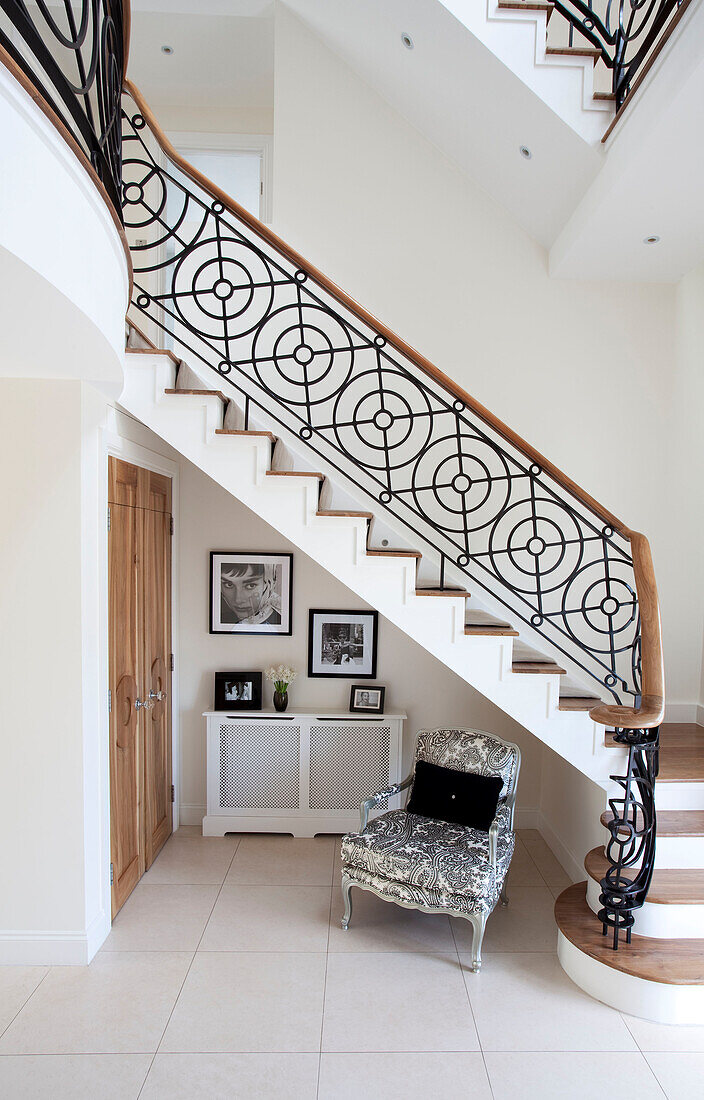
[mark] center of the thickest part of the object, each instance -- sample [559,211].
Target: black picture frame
[271,589]
[225,690]
[342,643]
[357,706]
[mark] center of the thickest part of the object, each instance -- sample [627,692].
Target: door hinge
[171,524]
[171,662]
[109,701]
[108,517]
[173,793]
[112,874]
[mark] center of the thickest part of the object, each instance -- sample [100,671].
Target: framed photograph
[367,699]
[250,593]
[238,691]
[342,643]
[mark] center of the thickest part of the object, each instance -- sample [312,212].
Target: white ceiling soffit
[652,183]
[464,100]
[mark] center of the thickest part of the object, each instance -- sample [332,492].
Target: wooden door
[157,657]
[139,564]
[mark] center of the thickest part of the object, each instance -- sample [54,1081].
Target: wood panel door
[139,565]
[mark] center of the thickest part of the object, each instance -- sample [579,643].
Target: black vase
[280,700]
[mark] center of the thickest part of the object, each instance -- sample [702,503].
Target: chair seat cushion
[447,864]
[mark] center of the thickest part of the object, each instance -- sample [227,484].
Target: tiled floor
[227,975]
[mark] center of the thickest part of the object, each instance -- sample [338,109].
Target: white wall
[570,807]
[581,370]
[210,519]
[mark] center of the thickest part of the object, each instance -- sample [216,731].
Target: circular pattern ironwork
[303,354]
[383,419]
[461,484]
[536,545]
[220,288]
[600,611]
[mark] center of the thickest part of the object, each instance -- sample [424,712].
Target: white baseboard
[684,712]
[527,817]
[191,813]
[571,863]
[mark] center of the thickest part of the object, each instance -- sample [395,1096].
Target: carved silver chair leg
[478,923]
[347,898]
[504,895]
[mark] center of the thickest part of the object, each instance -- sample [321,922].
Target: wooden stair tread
[341,512]
[394,554]
[605,96]
[672,823]
[242,431]
[294,473]
[681,753]
[484,630]
[577,702]
[574,51]
[456,592]
[149,351]
[197,393]
[527,5]
[538,668]
[672,962]
[669,886]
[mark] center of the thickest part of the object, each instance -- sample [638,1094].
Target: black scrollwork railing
[73,54]
[631,847]
[285,345]
[628,33]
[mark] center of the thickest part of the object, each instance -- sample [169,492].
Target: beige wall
[210,519]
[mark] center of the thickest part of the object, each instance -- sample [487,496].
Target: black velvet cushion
[460,797]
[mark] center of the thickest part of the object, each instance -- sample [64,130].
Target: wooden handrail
[649,713]
[126,35]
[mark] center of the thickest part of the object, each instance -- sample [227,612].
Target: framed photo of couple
[250,593]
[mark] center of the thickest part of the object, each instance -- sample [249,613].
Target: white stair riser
[239,464]
[663,922]
[679,796]
[658,1001]
[680,851]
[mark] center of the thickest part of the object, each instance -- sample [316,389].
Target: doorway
[140,663]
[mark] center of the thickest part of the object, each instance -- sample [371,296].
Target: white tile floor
[227,976]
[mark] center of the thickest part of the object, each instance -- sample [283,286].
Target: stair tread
[672,962]
[295,473]
[540,668]
[342,512]
[480,630]
[526,5]
[669,886]
[574,51]
[243,431]
[605,96]
[577,702]
[394,554]
[197,393]
[681,753]
[672,823]
[456,592]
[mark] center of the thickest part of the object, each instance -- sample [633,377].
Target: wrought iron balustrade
[73,55]
[627,32]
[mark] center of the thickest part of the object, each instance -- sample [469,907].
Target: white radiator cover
[297,772]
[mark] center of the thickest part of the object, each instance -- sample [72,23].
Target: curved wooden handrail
[126,35]
[650,711]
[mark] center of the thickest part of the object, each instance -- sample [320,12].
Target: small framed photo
[238,691]
[367,698]
[250,593]
[342,643]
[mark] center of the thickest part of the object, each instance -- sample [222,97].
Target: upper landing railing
[72,57]
[287,341]
[628,33]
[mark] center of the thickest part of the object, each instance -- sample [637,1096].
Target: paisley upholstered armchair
[436,865]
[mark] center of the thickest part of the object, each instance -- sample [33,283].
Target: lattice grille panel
[347,763]
[259,765]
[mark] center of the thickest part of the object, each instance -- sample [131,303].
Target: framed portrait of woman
[250,593]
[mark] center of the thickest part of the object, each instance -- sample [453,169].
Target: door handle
[158,695]
[145,703]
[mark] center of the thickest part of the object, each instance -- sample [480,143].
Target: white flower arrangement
[280,676]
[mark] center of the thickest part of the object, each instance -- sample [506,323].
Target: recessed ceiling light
[167,49]
[651,240]
[407,40]
[525,152]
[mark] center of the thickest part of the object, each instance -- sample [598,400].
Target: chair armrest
[500,824]
[370,803]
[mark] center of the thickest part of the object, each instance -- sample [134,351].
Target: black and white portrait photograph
[238,691]
[342,643]
[367,698]
[250,593]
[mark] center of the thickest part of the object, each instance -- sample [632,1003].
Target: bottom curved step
[658,979]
